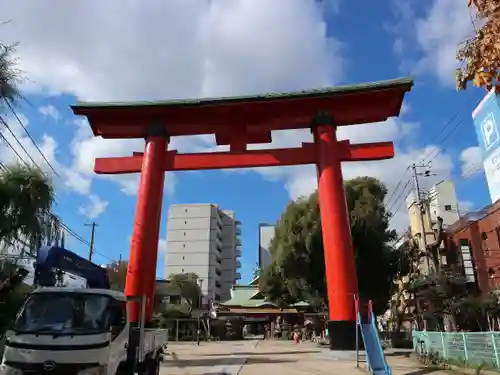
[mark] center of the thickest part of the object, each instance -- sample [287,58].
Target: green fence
[471,348]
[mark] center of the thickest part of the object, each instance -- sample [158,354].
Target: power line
[401,194]
[2,166]
[394,192]
[29,136]
[441,131]
[78,237]
[18,142]
[446,125]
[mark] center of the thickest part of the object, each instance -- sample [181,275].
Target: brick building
[474,243]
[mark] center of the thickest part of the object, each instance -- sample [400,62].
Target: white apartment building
[443,202]
[266,234]
[205,240]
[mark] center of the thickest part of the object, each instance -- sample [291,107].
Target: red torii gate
[238,122]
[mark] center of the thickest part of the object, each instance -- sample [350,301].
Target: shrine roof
[256,115]
[326,91]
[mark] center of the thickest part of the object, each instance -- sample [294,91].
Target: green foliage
[445,291]
[26,198]
[298,271]
[447,294]
[13,292]
[10,76]
[188,286]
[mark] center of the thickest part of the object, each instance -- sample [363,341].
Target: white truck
[79,331]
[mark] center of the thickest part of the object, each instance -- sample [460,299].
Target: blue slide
[373,347]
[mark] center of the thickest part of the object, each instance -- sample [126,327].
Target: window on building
[182,270]
[183,258]
[184,233]
[185,222]
[484,243]
[185,210]
[447,207]
[183,245]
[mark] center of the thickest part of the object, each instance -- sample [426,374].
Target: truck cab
[80,331]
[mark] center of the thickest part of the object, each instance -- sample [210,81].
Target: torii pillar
[340,268]
[238,122]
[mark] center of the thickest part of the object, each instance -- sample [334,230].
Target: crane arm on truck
[53,259]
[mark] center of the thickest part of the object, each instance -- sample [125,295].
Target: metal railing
[462,348]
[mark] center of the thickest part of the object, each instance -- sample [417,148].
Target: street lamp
[200,300]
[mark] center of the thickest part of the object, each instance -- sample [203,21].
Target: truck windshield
[64,314]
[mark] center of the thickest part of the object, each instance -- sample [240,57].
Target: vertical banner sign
[486,118]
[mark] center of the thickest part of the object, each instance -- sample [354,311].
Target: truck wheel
[154,366]
[158,366]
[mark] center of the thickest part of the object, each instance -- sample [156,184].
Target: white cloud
[436,33]
[16,146]
[50,111]
[162,246]
[471,161]
[190,48]
[167,49]
[174,49]
[448,23]
[94,208]
[465,206]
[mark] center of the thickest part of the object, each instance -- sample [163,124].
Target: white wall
[266,234]
[443,202]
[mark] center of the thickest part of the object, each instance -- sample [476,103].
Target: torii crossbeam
[238,122]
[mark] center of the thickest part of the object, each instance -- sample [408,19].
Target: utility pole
[119,273]
[422,208]
[92,236]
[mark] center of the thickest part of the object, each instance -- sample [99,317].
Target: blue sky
[193,48]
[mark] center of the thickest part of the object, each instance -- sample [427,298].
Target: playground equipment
[238,122]
[375,357]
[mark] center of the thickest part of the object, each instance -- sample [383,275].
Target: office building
[205,240]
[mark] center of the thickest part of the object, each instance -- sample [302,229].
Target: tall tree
[480,55]
[26,198]
[298,270]
[10,76]
[189,287]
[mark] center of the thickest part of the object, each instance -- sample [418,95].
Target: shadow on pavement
[398,354]
[291,352]
[422,371]
[223,360]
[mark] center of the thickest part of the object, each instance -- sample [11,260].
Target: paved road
[257,357]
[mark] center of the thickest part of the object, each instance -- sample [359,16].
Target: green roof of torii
[326,91]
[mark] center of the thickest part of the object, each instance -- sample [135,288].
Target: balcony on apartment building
[237,264]
[237,276]
[237,251]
